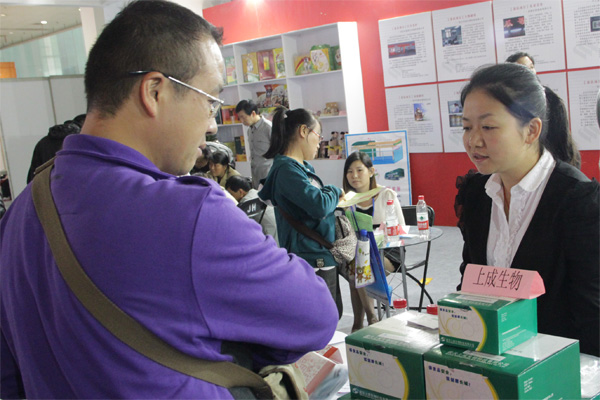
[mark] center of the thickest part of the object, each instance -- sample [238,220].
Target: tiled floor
[444,259]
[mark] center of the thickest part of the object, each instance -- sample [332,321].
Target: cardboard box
[279,63]
[266,65]
[486,323]
[230,75]
[250,67]
[544,367]
[229,116]
[385,360]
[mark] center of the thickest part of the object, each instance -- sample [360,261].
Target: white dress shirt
[505,235]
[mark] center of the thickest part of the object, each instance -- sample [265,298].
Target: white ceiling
[21,23]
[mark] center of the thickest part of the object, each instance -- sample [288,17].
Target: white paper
[451,112]
[582,32]
[532,26]
[416,109]
[407,53]
[556,81]
[583,91]
[464,40]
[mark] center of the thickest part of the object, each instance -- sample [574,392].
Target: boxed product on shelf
[230,75]
[543,367]
[303,65]
[230,145]
[320,58]
[250,67]
[240,148]
[266,65]
[229,116]
[336,57]
[279,63]
[385,360]
[273,96]
[331,109]
[489,324]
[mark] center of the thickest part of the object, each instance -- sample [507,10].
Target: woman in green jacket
[299,194]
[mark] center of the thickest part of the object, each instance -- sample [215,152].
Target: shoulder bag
[281,381]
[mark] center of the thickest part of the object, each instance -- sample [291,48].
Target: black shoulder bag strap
[115,320]
[305,230]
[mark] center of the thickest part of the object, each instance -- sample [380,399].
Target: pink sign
[505,282]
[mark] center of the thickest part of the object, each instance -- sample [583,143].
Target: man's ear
[534,130]
[151,92]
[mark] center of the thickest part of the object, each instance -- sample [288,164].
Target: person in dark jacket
[47,147]
[527,208]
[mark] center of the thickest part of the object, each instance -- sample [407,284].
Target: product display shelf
[310,91]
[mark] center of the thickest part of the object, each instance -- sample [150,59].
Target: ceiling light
[2,15]
[43,22]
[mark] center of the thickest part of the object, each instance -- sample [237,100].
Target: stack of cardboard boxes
[483,347]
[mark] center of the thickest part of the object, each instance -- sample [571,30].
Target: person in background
[163,246]
[220,168]
[299,195]
[259,134]
[242,191]
[526,208]
[201,164]
[523,59]
[359,177]
[47,147]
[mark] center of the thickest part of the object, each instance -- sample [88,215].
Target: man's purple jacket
[174,253]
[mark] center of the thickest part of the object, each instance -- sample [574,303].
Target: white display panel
[451,112]
[464,40]
[582,33]
[407,51]
[583,93]
[531,26]
[416,110]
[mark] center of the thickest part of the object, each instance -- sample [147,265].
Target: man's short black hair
[246,106]
[147,35]
[238,182]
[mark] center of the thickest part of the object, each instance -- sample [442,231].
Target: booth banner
[389,152]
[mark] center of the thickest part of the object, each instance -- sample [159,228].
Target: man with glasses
[259,134]
[169,250]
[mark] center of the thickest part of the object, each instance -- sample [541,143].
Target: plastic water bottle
[392,226]
[399,306]
[422,218]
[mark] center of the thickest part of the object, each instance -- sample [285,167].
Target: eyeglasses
[213,102]
[318,134]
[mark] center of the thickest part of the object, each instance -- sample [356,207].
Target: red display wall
[433,174]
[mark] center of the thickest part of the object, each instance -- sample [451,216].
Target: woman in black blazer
[528,207]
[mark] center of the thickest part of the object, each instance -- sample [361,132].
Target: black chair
[254,209]
[410,218]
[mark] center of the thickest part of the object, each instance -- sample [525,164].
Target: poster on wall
[464,40]
[583,91]
[416,109]
[557,81]
[389,152]
[407,53]
[582,32]
[451,112]
[531,26]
